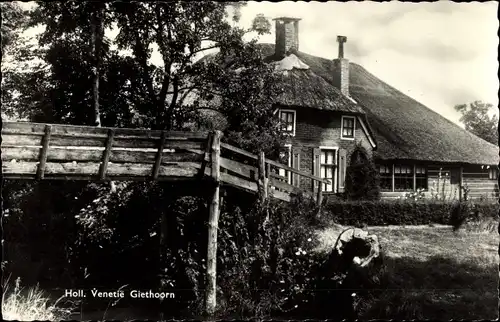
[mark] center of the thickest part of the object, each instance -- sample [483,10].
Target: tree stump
[355,257]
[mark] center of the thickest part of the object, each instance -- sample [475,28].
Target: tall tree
[234,81]
[477,120]
[13,21]
[97,36]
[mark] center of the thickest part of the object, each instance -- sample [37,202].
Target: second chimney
[287,35]
[341,71]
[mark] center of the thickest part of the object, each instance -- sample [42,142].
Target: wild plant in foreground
[30,305]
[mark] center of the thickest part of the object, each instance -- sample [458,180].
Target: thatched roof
[302,87]
[404,128]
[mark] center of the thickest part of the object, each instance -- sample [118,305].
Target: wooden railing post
[213,219]
[107,153]
[319,197]
[159,155]
[43,154]
[262,177]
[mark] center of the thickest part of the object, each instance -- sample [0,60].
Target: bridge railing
[69,152]
[245,173]
[48,151]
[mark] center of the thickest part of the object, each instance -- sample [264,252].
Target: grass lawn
[430,273]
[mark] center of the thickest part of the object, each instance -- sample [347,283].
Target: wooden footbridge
[66,152]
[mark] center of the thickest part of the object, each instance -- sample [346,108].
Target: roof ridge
[392,88]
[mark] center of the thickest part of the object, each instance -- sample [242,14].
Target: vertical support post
[319,196]
[43,153]
[159,155]
[107,153]
[213,219]
[262,177]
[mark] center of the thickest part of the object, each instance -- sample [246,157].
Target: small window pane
[330,157]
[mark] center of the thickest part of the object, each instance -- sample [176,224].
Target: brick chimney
[341,65]
[287,35]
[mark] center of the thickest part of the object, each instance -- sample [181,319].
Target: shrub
[361,182]
[379,213]
[30,305]
[266,268]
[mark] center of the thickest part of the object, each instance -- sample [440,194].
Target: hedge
[381,213]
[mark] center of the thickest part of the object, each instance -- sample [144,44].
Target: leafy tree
[180,91]
[361,181]
[476,119]
[234,82]
[13,22]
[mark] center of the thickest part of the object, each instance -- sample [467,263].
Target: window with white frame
[286,155]
[287,121]
[327,168]
[348,127]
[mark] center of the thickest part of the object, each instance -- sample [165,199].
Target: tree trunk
[96,40]
[96,26]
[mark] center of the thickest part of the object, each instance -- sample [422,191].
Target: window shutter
[295,165]
[316,167]
[342,169]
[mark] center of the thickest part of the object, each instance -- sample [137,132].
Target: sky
[439,53]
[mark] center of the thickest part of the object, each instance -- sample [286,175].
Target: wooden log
[153,143]
[107,152]
[239,151]
[213,219]
[96,155]
[97,132]
[239,168]
[43,153]
[21,140]
[36,140]
[282,185]
[53,154]
[118,156]
[239,183]
[278,177]
[181,169]
[300,173]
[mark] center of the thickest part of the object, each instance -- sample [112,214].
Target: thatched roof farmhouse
[329,105]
